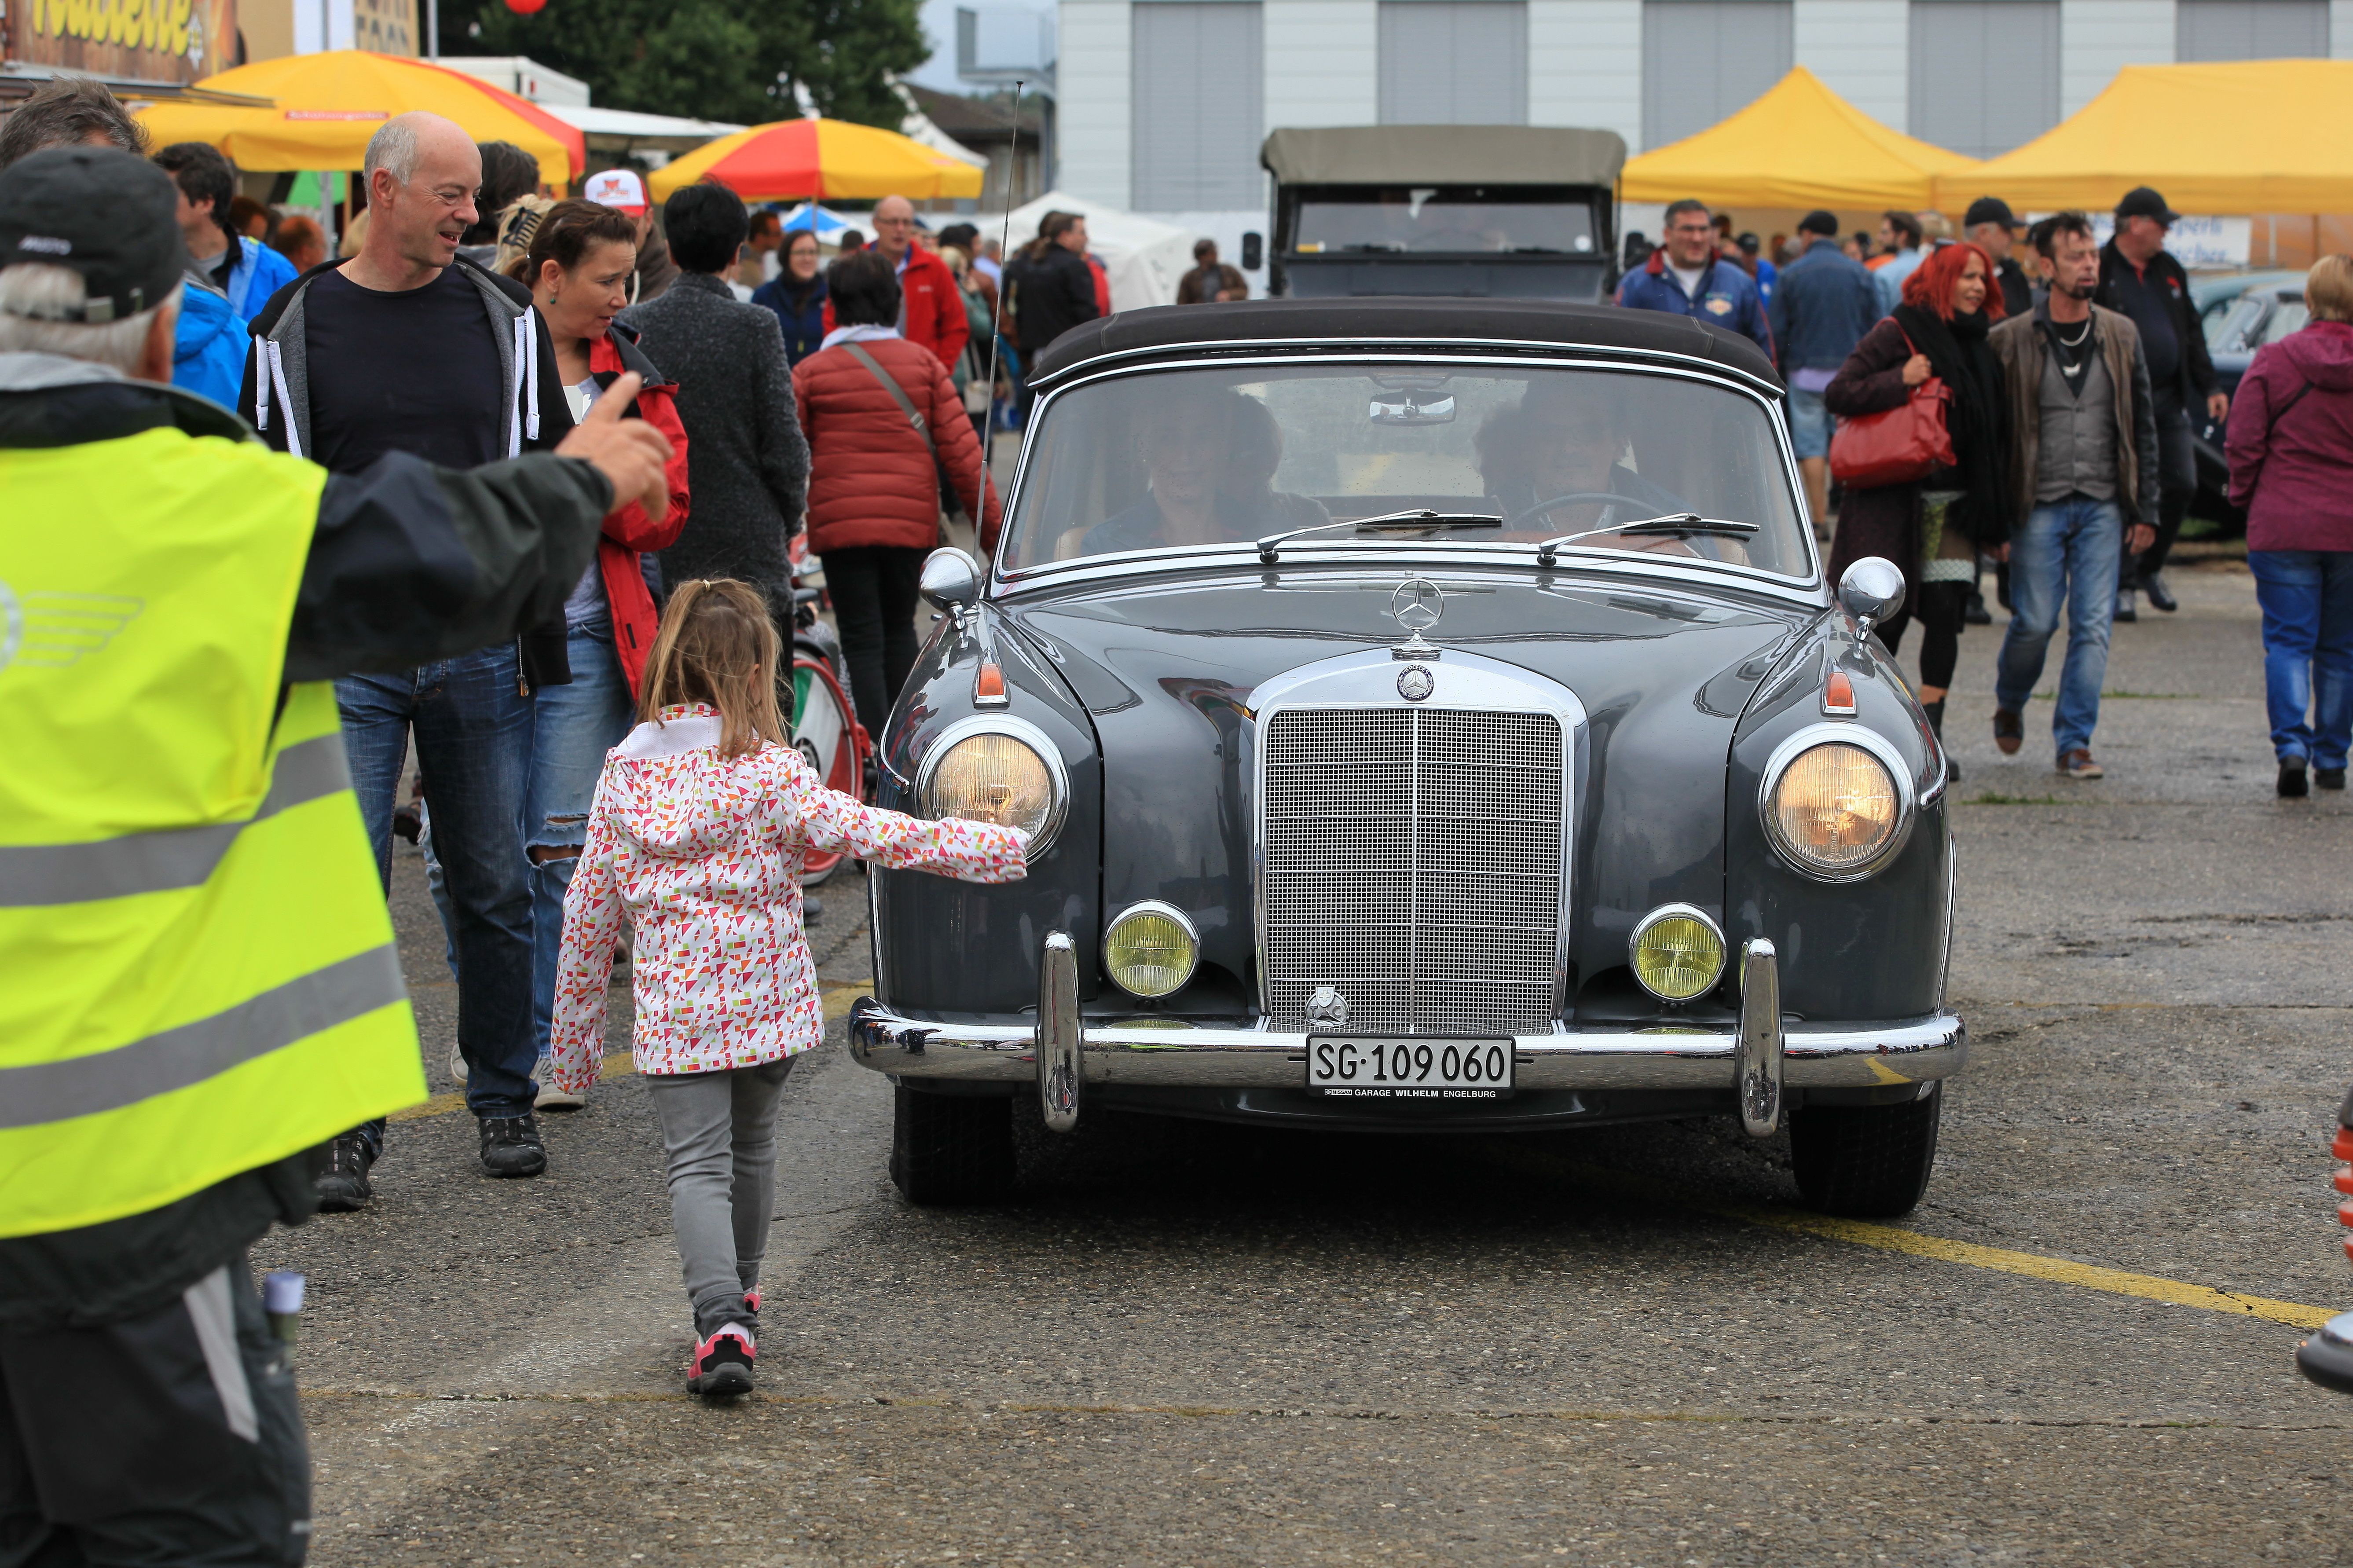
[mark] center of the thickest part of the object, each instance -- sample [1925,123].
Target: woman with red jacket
[874,492]
[578,269]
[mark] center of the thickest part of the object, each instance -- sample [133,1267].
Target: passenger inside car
[1209,455]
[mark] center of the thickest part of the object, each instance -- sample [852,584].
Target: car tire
[1866,1162]
[950,1148]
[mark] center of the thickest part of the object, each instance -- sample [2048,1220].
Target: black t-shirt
[2147,298]
[415,371]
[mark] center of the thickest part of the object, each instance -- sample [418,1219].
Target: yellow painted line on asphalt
[838,999]
[1970,1254]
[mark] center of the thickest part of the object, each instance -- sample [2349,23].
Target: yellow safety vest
[196,970]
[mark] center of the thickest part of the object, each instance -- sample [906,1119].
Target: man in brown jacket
[2083,486]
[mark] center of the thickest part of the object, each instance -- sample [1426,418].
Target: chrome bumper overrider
[1174,1053]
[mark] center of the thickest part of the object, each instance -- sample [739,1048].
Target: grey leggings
[719,1129]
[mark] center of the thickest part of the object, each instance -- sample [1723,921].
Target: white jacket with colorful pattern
[703,853]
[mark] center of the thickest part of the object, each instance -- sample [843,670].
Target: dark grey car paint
[1145,683]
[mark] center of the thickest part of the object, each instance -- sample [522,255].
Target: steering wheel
[1544,506]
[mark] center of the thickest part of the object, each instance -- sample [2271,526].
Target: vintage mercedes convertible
[1429,715]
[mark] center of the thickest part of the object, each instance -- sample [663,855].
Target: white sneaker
[457,1063]
[550,1097]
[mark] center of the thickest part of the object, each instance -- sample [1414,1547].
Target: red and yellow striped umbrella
[822,160]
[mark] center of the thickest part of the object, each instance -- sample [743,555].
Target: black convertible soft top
[1378,322]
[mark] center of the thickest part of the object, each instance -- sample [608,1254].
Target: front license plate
[1374,1067]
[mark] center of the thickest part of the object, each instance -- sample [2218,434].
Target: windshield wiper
[1268,548]
[1673,525]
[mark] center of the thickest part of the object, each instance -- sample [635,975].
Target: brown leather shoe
[2009,730]
[2078,765]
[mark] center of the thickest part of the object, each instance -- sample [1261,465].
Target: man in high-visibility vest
[197,978]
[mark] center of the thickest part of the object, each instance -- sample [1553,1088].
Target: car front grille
[1413,863]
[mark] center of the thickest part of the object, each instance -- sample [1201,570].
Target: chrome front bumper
[1756,1060]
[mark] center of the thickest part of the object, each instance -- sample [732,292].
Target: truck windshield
[1445,220]
[1163,459]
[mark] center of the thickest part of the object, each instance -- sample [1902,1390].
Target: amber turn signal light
[1837,693]
[988,685]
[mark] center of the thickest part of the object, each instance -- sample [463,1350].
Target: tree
[712,60]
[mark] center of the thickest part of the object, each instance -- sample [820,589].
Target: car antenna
[1003,255]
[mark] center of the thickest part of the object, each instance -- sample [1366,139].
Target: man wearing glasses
[931,310]
[408,348]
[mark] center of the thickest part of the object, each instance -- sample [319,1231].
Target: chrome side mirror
[1871,591]
[949,582]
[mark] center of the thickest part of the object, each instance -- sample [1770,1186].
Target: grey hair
[393,149]
[37,295]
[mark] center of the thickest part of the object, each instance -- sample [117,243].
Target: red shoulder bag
[1898,446]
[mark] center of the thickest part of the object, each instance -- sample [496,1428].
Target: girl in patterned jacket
[701,817]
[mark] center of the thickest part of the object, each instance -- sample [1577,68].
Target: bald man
[408,347]
[931,310]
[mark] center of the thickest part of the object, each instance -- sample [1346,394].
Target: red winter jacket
[871,480]
[630,532]
[934,315]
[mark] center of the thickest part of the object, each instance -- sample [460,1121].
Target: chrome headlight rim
[1908,804]
[1677,912]
[1167,911]
[1021,729]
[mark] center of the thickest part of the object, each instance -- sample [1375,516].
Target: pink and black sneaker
[721,1367]
[751,1302]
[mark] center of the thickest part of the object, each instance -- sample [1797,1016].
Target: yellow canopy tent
[2243,136]
[820,160]
[324,107]
[1800,146]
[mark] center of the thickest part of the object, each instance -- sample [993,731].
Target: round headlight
[1677,952]
[997,776]
[1150,949]
[1835,809]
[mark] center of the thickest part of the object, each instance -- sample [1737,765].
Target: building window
[1199,107]
[1704,59]
[1454,62]
[1985,73]
[2249,29]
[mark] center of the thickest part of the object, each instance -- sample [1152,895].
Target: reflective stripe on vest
[196,970]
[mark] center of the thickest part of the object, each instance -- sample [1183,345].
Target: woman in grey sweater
[747,464]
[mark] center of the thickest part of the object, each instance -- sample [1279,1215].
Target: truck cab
[1484,211]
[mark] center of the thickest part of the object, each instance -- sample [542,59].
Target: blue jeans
[1810,424]
[575,726]
[2307,601]
[473,745]
[2066,554]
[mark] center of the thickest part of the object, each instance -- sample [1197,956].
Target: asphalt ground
[1190,1344]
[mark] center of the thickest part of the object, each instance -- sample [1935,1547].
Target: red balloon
[525,7]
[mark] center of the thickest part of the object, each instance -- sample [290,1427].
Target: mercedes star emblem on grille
[1415,682]
[1418,604]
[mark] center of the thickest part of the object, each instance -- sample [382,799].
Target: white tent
[1144,257]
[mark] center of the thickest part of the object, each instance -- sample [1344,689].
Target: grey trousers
[719,1129]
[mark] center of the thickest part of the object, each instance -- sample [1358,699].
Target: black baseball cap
[1819,221]
[2143,202]
[107,214]
[1988,209]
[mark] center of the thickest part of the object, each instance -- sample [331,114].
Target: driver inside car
[1562,440]
[1209,455]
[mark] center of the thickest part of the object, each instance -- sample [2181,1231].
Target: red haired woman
[1932,529]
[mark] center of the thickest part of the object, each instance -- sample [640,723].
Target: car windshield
[2291,317]
[1167,458]
[1433,219]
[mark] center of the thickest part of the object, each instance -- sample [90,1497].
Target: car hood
[1167,669]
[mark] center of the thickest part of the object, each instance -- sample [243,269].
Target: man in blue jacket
[1825,301]
[1688,277]
[248,271]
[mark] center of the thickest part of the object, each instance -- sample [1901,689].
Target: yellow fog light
[1834,810]
[999,771]
[1677,952]
[1151,949]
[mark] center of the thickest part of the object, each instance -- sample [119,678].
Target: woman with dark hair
[578,271]
[1932,529]
[508,173]
[797,294]
[884,422]
[1210,454]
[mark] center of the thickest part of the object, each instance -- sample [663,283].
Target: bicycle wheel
[827,738]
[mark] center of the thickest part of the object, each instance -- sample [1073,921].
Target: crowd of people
[2069,393]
